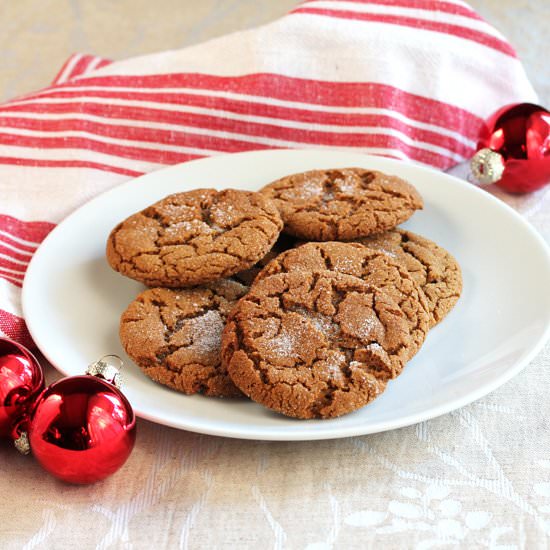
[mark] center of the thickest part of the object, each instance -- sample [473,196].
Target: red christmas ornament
[21,380]
[81,429]
[514,149]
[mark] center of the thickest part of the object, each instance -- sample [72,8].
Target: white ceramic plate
[72,300]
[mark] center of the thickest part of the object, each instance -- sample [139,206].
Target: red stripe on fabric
[13,254]
[247,108]
[157,156]
[219,124]
[97,63]
[7,264]
[226,145]
[103,63]
[98,166]
[445,28]
[80,67]
[315,92]
[20,161]
[62,70]
[138,135]
[14,327]
[13,276]
[6,239]
[428,5]
[189,139]
[14,282]
[34,231]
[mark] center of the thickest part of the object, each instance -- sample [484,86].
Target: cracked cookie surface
[342,204]
[314,344]
[174,336]
[373,266]
[194,237]
[284,242]
[434,268]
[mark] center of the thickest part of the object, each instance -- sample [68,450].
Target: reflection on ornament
[21,380]
[82,429]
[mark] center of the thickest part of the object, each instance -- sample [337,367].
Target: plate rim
[324,433]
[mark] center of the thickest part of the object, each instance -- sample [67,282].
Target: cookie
[342,204]
[194,237]
[433,267]
[284,242]
[314,344]
[174,336]
[373,266]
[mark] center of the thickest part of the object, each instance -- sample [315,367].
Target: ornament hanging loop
[107,368]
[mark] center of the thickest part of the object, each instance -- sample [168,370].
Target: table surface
[478,477]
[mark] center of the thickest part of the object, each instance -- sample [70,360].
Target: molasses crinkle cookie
[342,204]
[284,242]
[434,268]
[314,344]
[194,237]
[373,266]
[174,336]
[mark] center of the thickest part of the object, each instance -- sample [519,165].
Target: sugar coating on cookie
[314,344]
[342,204]
[194,237]
[373,266]
[174,336]
[434,268]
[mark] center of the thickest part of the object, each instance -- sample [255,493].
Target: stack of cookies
[303,297]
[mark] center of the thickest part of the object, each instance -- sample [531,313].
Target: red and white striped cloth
[410,79]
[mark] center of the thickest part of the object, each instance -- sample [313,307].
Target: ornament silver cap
[22,443]
[105,369]
[487,166]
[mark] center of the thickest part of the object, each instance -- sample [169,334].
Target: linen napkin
[409,79]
